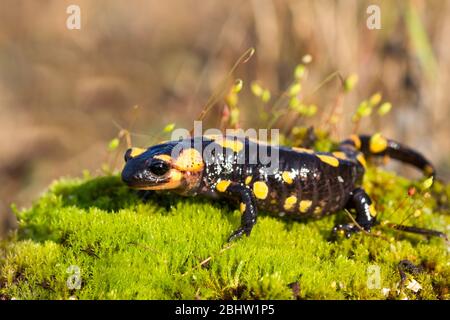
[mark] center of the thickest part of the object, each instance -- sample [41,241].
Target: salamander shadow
[325,232]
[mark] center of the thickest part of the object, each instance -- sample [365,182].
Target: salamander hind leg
[365,214]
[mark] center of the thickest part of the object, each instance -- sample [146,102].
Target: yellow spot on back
[235,145]
[223,185]
[377,143]
[428,169]
[248,180]
[260,190]
[332,161]
[242,207]
[189,160]
[254,140]
[304,205]
[372,210]
[303,150]
[317,210]
[290,202]
[356,140]
[136,151]
[340,155]
[287,177]
[361,159]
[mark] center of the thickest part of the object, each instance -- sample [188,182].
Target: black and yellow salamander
[303,182]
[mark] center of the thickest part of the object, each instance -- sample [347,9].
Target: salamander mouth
[139,181]
[142,184]
[170,181]
[161,186]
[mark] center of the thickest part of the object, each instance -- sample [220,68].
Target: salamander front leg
[365,213]
[247,207]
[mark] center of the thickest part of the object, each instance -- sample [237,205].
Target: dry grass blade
[223,86]
[203,262]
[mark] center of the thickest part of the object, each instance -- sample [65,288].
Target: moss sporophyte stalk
[172,247]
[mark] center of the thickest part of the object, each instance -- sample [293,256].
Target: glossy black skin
[325,187]
[316,181]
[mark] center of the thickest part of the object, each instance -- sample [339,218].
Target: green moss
[128,249]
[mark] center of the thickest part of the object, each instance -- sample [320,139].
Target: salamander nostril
[126,177]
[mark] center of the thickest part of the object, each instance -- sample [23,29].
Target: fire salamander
[304,182]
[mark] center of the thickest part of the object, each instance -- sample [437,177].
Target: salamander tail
[377,145]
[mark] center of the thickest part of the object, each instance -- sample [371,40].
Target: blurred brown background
[62,91]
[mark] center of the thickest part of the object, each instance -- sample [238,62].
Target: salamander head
[166,166]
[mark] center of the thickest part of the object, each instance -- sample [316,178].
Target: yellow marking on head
[189,160]
[302,150]
[260,190]
[290,202]
[248,180]
[287,177]
[362,160]
[304,205]
[175,177]
[372,210]
[356,140]
[377,143]
[136,151]
[222,186]
[340,155]
[235,145]
[242,207]
[332,161]
[317,210]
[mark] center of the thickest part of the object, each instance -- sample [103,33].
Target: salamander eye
[158,167]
